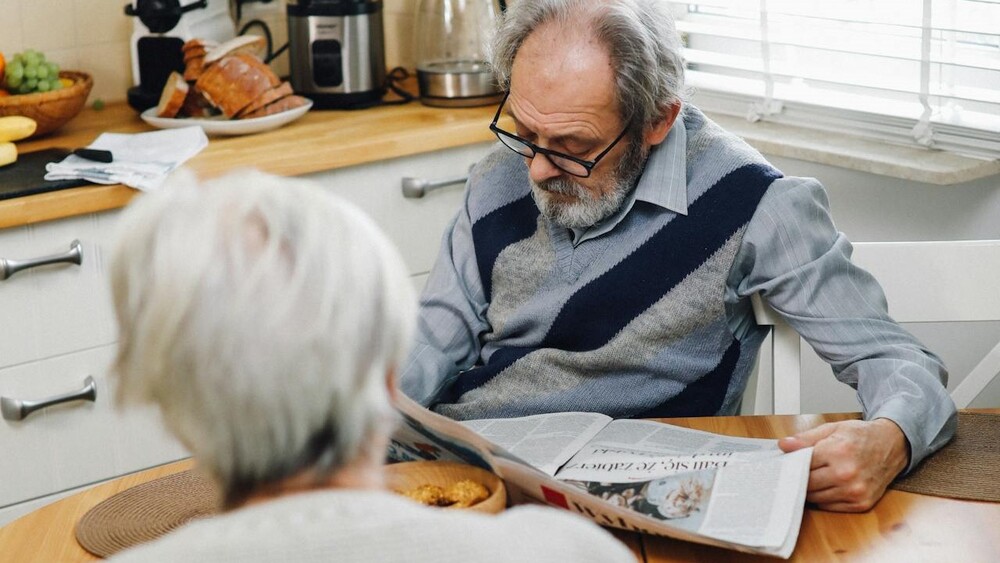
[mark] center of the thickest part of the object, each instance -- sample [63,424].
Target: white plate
[222,126]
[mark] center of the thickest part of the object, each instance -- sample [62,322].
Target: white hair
[641,39]
[262,316]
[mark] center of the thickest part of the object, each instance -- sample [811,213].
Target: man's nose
[540,168]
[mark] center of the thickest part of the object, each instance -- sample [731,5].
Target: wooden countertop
[321,140]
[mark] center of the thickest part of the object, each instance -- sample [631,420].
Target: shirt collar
[664,180]
[663,183]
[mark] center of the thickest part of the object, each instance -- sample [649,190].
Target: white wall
[868,207]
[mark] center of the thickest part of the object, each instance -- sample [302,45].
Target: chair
[924,282]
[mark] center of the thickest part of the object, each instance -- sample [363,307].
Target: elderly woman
[266,320]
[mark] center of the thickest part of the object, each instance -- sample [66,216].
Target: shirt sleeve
[452,316]
[795,258]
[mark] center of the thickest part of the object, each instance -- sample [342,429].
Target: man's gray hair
[262,316]
[641,39]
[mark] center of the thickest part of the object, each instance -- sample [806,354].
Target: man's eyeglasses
[568,164]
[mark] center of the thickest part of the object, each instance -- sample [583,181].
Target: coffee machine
[337,52]
[159,30]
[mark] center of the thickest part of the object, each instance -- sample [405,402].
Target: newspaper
[738,493]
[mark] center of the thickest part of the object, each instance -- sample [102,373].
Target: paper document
[140,160]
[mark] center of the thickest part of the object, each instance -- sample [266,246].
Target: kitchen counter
[321,140]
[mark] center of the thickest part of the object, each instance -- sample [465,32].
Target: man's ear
[658,132]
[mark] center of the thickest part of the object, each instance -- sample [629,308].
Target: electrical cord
[393,80]
[276,54]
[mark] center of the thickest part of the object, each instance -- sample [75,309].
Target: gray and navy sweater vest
[631,323]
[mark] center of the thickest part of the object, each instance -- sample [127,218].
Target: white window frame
[731,79]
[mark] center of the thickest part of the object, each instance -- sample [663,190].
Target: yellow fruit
[8,154]
[16,127]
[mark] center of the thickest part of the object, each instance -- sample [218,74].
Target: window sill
[857,153]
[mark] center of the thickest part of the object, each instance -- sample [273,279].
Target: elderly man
[607,251]
[265,319]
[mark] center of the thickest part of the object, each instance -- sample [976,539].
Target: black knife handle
[94,154]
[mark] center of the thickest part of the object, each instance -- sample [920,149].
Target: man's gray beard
[586,211]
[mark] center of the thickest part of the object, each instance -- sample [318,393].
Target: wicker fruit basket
[51,110]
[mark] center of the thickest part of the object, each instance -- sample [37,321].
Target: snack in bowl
[448,484]
[461,494]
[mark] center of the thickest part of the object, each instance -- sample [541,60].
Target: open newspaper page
[544,441]
[425,435]
[738,493]
[739,490]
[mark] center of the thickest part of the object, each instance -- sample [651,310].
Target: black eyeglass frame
[588,165]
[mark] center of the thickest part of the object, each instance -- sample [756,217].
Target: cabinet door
[74,443]
[56,308]
[414,225]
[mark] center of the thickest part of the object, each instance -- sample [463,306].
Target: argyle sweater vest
[631,323]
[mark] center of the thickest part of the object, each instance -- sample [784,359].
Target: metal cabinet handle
[418,187]
[10,267]
[17,409]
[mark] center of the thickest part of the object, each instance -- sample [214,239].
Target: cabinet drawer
[415,226]
[74,443]
[56,308]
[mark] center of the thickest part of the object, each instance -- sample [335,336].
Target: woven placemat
[967,468]
[146,512]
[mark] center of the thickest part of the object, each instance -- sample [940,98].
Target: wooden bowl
[51,110]
[409,475]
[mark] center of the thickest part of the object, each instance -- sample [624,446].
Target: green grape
[29,71]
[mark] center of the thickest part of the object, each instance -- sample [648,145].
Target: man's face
[562,98]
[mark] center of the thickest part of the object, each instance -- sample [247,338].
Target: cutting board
[27,175]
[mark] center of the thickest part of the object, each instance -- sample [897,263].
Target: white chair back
[935,281]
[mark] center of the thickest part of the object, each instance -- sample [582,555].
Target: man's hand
[853,462]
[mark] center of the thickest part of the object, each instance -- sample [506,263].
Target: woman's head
[263,317]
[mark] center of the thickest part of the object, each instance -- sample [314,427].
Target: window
[923,72]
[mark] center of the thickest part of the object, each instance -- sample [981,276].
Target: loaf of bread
[197,47]
[173,96]
[250,44]
[235,81]
[270,96]
[283,104]
[228,79]
[194,57]
[195,105]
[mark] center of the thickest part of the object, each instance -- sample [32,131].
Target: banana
[16,127]
[8,153]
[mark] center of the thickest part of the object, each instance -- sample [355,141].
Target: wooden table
[902,527]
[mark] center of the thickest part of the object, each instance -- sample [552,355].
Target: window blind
[922,72]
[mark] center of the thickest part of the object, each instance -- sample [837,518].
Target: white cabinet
[56,308]
[79,442]
[415,226]
[58,329]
